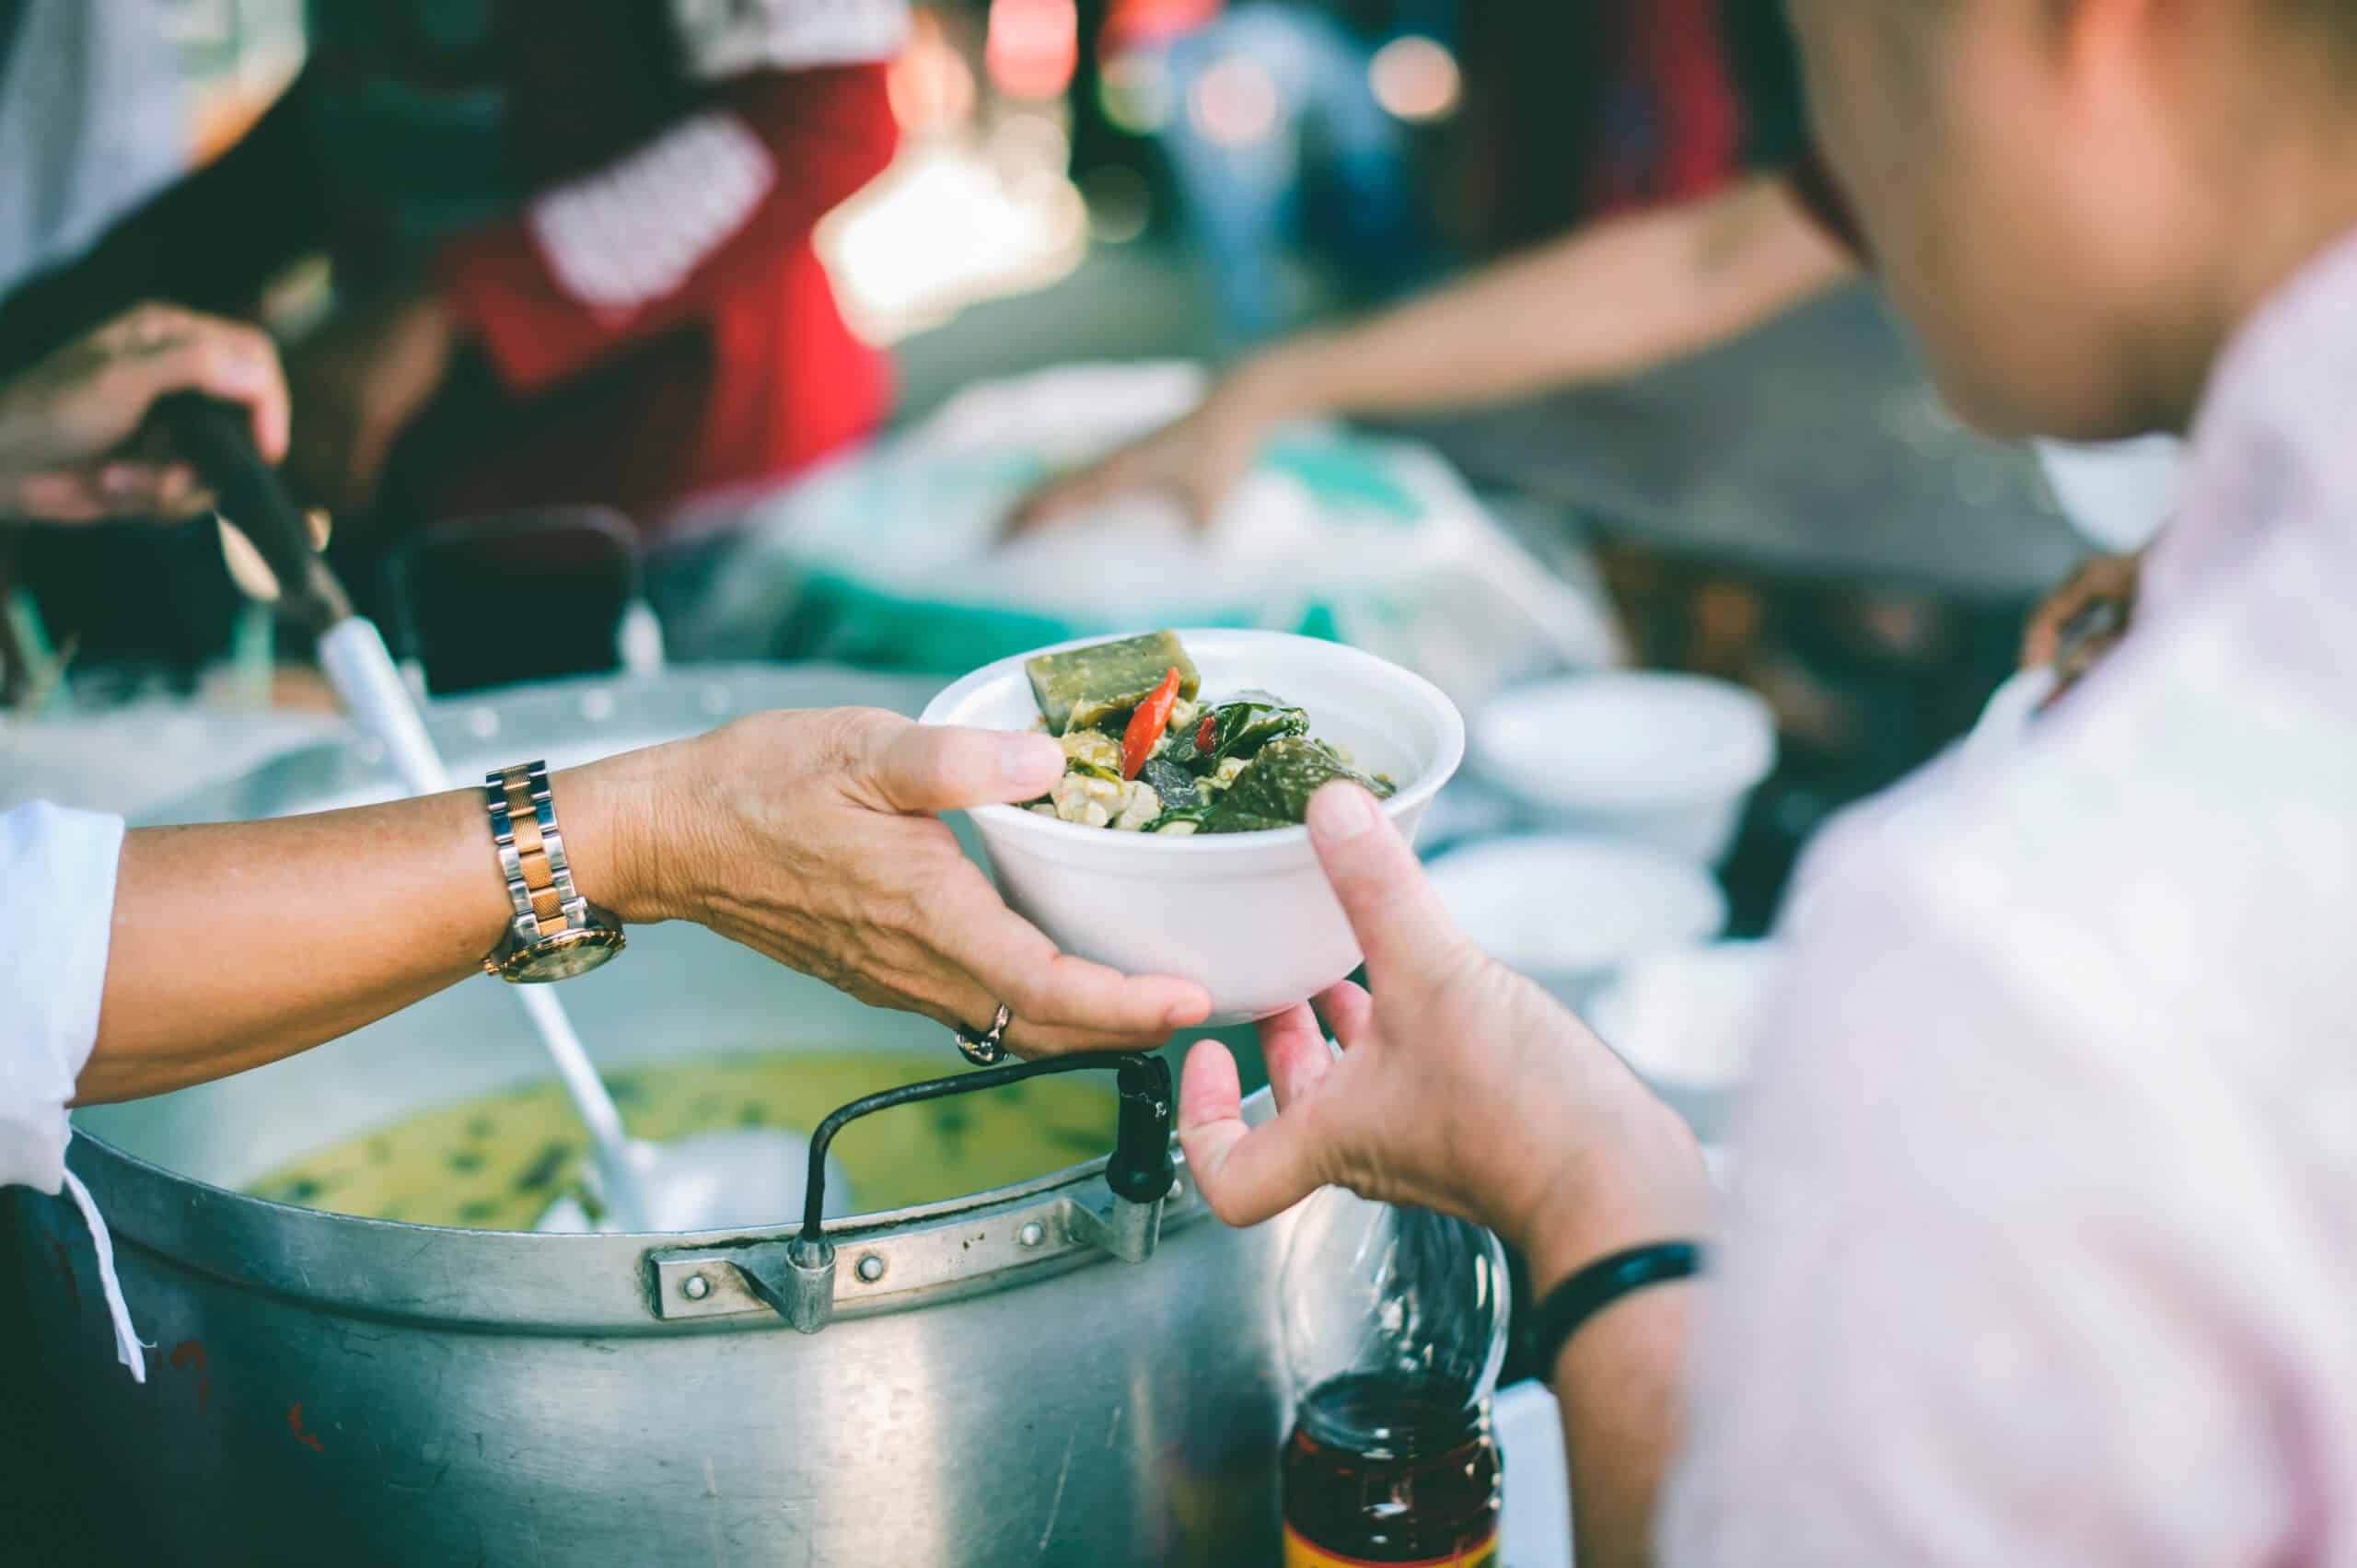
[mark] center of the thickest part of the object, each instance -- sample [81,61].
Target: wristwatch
[556,934]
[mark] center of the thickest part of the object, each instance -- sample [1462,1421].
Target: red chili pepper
[1148,724]
[1207,734]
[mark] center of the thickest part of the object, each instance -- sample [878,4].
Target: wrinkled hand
[1198,459]
[2101,578]
[810,837]
[357,382]
[71,445]
[1461,1086]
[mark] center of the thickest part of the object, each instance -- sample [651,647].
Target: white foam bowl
[1668,759]
[1687,1020]
[1570,911]
[1247,915]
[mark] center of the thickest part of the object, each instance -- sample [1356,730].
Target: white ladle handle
[361,668]
[608,1143]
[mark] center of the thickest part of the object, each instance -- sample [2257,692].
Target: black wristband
[1562,1311]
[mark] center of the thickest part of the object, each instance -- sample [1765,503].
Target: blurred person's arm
[211,241]
[1609,300]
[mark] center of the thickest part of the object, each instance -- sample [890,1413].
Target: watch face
[562,956]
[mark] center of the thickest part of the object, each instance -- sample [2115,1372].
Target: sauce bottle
[1394,1326]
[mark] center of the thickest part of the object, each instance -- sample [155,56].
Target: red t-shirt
[1672,125]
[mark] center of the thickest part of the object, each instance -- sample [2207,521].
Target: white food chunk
[1175,831]
[1139,805]
[1077,795]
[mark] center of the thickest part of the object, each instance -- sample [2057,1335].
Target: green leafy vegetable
[1242,728]
[1172,783]
[1274,791]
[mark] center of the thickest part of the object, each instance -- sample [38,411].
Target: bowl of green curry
[1174,845]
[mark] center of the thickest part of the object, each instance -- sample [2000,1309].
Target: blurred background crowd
[740,329]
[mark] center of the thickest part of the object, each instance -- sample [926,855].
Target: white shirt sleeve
[57,870]
[57,875]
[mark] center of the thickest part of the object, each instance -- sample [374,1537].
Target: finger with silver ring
[988,1049]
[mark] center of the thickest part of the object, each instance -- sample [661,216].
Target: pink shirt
[2043,1242]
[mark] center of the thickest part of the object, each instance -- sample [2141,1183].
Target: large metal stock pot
[329,1389]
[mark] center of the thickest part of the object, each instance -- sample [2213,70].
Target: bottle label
[1300,1554]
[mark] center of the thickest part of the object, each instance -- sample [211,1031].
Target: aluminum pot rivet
[1032,1234]
[870,1268]
[695,1287]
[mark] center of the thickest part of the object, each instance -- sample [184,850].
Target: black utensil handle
[216,438]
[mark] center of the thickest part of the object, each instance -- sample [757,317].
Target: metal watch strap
[532,855]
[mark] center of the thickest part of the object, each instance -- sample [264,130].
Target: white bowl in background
[1668,759]
[1687,1020]
[1570,911]
[1248,915]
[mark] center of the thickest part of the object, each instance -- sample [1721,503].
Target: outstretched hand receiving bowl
[1460,1086]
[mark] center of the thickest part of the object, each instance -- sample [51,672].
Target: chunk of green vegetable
[1081,686]
[1174,784]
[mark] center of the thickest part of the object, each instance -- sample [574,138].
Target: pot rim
[534,1283]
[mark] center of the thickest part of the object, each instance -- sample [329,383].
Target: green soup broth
[496,1163]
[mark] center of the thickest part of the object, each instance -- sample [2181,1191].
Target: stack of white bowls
[1626,789]
[1663,759]
[1571,912]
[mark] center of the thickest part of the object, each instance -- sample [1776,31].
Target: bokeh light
[1416,78]
[1120,204]
[1135,92]
[1235,103]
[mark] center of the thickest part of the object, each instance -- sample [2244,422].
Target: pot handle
[799,1285]
[1140,1171]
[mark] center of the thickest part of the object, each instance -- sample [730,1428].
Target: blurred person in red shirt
[572,244]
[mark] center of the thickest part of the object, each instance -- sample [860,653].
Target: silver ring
[989,1049]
